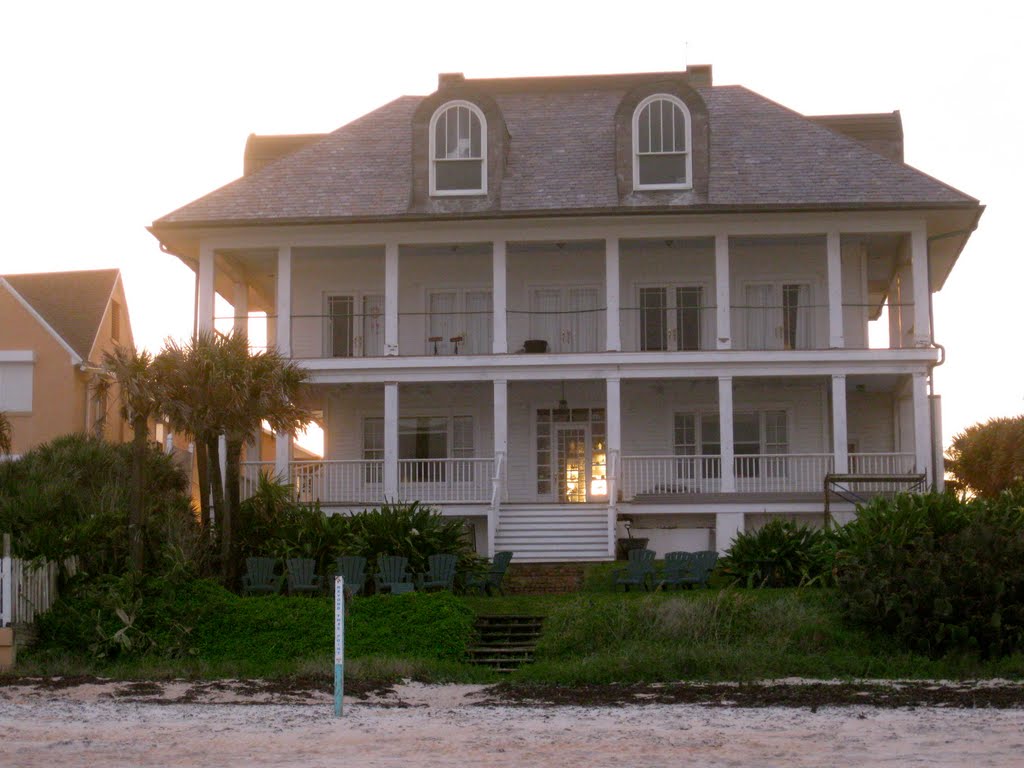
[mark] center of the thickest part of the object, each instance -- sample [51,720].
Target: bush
[779,554]
[116,618]
[937,574]
[410,530]
[271,524]
[71,497]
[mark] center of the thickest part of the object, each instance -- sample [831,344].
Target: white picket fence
[27,588]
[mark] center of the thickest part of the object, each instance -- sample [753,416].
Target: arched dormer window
[661,144]
[458,150]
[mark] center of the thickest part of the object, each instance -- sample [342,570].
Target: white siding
[855,314]
[869,421]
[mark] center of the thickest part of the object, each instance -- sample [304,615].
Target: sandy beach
[93,723]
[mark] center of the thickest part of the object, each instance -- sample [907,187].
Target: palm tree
[215,387]
[138,388]
[6,437]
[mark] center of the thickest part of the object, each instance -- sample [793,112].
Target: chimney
[448,79]
[699,75]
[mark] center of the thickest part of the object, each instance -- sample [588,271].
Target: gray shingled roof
[562,157]
[72,303]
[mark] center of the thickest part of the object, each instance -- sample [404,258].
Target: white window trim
[448,414]
[434,191]
[359,316]
[760,411]
[707,324]
[636,144]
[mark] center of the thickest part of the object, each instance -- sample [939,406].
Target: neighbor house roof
[71,303]
[561,158]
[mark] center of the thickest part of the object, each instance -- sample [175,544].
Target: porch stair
[505,642]
[539,533]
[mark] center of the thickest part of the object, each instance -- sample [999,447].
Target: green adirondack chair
[392,574]
[639,572]
[302,578]
[440,572]
[702,564]
[485,582]
[259,577]
[352,569]
[678,567]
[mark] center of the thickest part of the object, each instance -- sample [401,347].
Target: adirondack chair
[678,568]
[485,582]
[301,576]
[440,572]
[392,574]
[352,569]
[638,573]
[702,564]
[259,577]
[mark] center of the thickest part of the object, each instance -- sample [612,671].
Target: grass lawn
[593,637]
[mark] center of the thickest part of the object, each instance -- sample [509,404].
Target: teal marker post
[339,643]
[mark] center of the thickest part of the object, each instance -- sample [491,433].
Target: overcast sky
[114,114]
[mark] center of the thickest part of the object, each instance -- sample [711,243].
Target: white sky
[113,114]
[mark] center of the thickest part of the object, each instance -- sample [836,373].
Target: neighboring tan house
[556,305]
[54,329]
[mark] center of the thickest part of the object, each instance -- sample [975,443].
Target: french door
[354,326]
[670,318]
[778,316]
[464,315]
[572,457]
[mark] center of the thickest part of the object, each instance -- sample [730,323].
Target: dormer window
[458,150]
[661,144]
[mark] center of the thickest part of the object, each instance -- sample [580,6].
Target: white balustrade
[338,481]
[249,476]
[446,480]
[882,463]
[783,472]
[659,475]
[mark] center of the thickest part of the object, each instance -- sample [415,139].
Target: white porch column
[613,415]
[836,339]
[391,299]
[937,450]
[207,292]
[840,443]
[613,334]
[723,301]
[727,526]
[922,425]
[284,300]
[391,441]
[499,298]
[728,472]
[240,304]
[282,454]
[922,291]
[500,458]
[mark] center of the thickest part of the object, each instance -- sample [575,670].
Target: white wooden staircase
[539,533]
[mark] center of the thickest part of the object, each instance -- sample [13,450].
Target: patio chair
[392,574]
[259,577]
[638,573]
[702,564]
[677,569]
[440,573]
[301,576]
[352,569]
[485,582]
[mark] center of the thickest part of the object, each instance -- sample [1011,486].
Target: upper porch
[802,283]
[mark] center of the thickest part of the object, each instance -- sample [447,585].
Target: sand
[99,723]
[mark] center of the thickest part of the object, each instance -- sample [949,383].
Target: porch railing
[660,475]
[249,476]
[882,463]
[446,480]
[778,473]
[359,480]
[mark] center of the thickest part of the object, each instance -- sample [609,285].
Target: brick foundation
[544,578]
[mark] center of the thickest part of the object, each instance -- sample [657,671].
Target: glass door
[572,451]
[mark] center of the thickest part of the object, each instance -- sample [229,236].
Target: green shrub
[779,554]
[410,530]
[271,524]
[71,496]
[937,574]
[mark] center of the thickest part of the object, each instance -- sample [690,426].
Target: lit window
[458,150]
[661,144]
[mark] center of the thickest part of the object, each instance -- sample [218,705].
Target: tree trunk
[136,546]
[232,501]
[203,473]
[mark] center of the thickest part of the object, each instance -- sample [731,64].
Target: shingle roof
[561,157]
[72,303]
